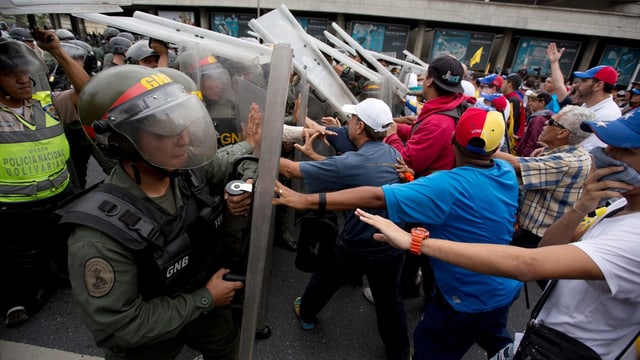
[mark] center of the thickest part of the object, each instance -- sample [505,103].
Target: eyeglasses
[555,123]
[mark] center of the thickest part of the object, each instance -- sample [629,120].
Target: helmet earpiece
[101,127]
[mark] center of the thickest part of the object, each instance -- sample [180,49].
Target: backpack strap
[453,113]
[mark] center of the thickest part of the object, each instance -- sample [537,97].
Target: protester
[552,181]
[355,253]
[466,307]
[538,117]
[596,301]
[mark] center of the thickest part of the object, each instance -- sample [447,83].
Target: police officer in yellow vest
[33,172]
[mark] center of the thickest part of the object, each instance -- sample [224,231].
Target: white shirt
[605,315]
[606,110]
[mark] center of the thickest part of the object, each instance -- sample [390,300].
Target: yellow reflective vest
[33,163]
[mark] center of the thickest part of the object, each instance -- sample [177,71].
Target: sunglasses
[555,123]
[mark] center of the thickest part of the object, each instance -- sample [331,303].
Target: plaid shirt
[552,182]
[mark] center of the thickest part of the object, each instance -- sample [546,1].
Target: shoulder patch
[98,277]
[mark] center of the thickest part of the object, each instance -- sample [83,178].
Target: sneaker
[296,309]
[366,292]
[16,316]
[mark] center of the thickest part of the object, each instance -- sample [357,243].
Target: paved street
[346,328]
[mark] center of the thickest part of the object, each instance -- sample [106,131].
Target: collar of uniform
[120,178]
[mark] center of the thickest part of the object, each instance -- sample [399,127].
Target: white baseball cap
[469,89]
[373,112]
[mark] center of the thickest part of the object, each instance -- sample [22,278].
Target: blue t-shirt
[371,165]
[467,204]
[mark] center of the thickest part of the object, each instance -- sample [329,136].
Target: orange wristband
[418,235]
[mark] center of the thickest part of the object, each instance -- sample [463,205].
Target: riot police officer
[118,55]
[217,93]
[144,242]
[149,53]
[34,176]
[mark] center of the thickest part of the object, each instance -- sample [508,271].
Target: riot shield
[280,26]
[179,33]
[248,93]
[396,86]
[262,213]
[228,87]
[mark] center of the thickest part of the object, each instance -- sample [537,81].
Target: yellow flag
[475,59]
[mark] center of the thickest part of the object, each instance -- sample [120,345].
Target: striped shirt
[552,182]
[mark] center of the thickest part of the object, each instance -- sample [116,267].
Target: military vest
[174,253]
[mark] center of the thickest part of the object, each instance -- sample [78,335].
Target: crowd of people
[485,182]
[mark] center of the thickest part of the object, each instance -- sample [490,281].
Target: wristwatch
[418,235]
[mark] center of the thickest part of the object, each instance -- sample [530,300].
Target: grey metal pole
[269,153]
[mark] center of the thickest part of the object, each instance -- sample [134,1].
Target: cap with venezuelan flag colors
[480,131]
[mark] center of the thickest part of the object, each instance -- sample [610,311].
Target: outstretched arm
[365,196]
[566,261]
[511,159]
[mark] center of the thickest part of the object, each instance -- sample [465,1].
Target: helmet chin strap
[164,172]
[136,173]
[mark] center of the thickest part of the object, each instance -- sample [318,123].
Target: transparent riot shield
[248,93]
[224,85]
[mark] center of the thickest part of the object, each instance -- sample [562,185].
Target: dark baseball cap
[447,72]
[544,96]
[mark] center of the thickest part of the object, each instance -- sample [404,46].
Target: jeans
[383,266]
[447,334]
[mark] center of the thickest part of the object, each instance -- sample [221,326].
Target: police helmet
[18,58]
[82,44]
[110,32]
[370,89]
[139,51]
[21,34]
[141,113]
[64,34]
[200,66]
[127,36]
[119,44]
[90,61]
[183,79]
[74,51]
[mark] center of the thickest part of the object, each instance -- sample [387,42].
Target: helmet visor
[170,129]
[17,58]
[74,51]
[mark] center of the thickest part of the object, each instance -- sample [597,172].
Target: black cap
[544,96]
[447,72]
